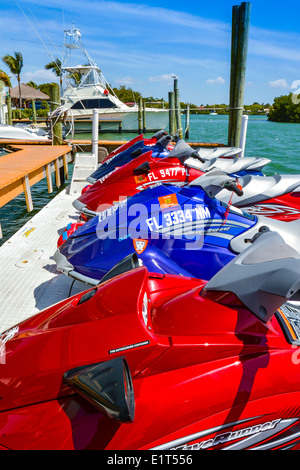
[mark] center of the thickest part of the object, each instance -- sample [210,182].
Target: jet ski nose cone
[79,205]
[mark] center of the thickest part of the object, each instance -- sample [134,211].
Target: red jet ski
[161,362]
[142,173]
[152,141]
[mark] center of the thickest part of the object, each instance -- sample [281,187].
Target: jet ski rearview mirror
[158,135]
[136,153]
[165,141]
[107,386]
[143,169]
[127,264]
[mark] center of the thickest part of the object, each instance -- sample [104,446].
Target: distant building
[27,95]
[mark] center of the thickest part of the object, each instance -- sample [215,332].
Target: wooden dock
[27,165]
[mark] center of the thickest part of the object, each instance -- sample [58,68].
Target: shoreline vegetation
[286,108]
[131,97]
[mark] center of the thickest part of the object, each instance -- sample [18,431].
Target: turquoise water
[278,142]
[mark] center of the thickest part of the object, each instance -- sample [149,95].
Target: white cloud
[216,81]
[125,81]
[274,50]
[281,83]
[39,76]
[167,78]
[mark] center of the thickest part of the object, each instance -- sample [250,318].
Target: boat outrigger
[90,91]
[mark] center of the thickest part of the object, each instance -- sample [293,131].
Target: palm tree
[32,84]
[55,66]
[15,65]
[5,79]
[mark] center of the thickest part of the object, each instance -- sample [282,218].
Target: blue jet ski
[174,230]
[159,150]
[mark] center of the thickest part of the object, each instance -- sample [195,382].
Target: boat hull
[121,121]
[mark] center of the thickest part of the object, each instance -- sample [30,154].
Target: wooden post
[66,169]
[144,118]
[57,173]
[239,51]
[177,108]
[234,40]
[9,110]
[172,126]
[56,123]
[27,192]
[140,116]
[33,111]
[49,178]
[187,121]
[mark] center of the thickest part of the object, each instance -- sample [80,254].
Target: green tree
[5,79]
[45,88]
[32,84]
[285,110]
[15,65]
[126,95]
[55,66]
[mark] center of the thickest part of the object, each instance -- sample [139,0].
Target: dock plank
[27,162]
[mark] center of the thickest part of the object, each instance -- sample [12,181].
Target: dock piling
[57,173]
[34,118]
[172,126]
[239,51]
[144,118]
[9,110]
[140,116]
[187,122]
[177,108]
[26,185]
[49,178]
[56,124]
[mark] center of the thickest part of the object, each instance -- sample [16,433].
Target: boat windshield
[92,77]
[84,76]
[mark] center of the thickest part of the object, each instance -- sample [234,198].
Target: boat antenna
[43,43]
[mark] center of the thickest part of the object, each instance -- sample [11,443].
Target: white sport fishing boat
[93,92]
[19,131]
[28,133]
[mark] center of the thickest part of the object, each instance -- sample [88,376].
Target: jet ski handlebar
[215,181]
[158,135]
[234,187]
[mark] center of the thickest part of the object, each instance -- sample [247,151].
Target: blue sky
[141,44]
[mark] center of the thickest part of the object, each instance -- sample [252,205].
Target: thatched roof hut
[28,93]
